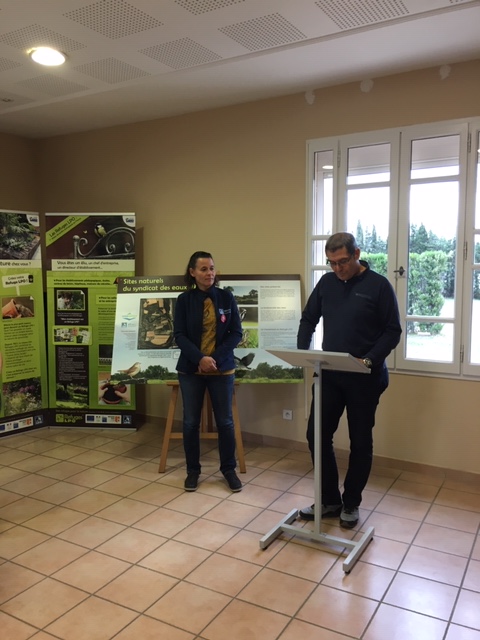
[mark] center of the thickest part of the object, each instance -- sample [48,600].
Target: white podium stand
[338,362]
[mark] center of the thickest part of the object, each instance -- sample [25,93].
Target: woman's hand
[206,365]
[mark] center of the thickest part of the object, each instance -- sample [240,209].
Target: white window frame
[398,240]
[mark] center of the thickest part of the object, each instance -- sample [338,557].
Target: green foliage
[425,285]
[376,261]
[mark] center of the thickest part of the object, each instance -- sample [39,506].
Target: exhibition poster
[23,368]
[87,254]
[144,349]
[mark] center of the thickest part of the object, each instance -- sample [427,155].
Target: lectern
[319,360]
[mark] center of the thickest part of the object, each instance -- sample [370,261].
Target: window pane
[429,341]
[368,164]
[368,211]
[323,194]
[435,157]
[477,189]
[475,338]
[432,248]
[319,253]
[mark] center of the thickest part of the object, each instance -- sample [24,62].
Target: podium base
[357,547]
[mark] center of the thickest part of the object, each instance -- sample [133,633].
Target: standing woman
[207,329]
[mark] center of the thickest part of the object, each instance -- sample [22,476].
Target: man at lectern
[360,317]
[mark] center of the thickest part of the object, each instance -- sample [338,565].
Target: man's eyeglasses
[339,263]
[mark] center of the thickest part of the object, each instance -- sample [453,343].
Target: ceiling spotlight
[47,56]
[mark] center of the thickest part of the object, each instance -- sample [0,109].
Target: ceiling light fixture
[47,56]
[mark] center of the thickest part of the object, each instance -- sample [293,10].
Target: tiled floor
[95,544]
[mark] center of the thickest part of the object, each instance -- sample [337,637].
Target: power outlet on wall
[287,414]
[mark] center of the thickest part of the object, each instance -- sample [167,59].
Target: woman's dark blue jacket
[188,323]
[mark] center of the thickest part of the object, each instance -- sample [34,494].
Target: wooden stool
[206,426]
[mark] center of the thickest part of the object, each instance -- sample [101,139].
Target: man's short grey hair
[341,240]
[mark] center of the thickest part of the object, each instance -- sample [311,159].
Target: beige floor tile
[91,478]
[137,588]
[441,539]
[150,629]
[458,500]
[422,596]
[43,602]
[62,470]
[304,561]
[41,635]
[292,466]
[245,621]
[92,441]
[24,509]
[468,487]
[126,511]
[436,478]
[119,464]
[193,503]
[304,487]
[164,522]
[91,532]
[14,629]
[156,494]
[365,579]
[91,571]
[40,446]
[456,632]
[418,491]
[64,451]
[298,629]
[223,574]
[379,483]
[233,513]
[263,523]
[403,507]
[476,549]
[4,525]
[392,527]
[246,546]
[467,609]
[275,480]
[472,577]
[13,456]
[207,534]
[94,619]
[56,520]
[434,565]
[189,607]
[123,485]
[346,613]
[175,559]
[7,497]
[131,545]
[288,501]
[261,497]
[277,591]
[35,463]
[117,447]
[90,457]
[398,624]
[16,579]
[50,556]
[58,492]
[19,539]
[146,471]
[384,553]
[9,474]
[29,484]
[452,518]
[92,501]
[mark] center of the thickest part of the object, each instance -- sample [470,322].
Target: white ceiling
[133,60]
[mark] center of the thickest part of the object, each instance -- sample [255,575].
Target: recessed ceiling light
[47,56]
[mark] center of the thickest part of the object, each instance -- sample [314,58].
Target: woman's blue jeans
[220,389]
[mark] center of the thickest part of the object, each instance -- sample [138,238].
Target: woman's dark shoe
[233,481]
[191,481]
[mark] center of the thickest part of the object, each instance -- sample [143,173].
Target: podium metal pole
[357,547]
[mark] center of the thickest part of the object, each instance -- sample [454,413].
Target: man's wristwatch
[367,362]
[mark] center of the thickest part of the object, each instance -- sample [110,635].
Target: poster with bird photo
[86,254]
